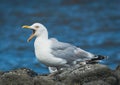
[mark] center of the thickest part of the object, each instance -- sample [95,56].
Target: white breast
[43,53]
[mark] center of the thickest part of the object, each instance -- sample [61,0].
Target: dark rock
[20,76]
[90,74]
[45,80]
[118,67]
[15,79]
[83,74]
[117,74]
[1,73]
[98,82]
[25,71]
[111,80]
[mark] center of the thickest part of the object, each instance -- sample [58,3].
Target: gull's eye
[36,26]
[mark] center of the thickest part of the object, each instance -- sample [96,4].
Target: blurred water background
[93,25]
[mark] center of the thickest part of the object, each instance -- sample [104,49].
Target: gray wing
[69,52]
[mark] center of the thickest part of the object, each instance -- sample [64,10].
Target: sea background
[93,25]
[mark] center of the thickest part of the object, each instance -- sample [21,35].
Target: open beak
[32,35]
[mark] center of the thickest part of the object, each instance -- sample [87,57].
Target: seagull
[55,54]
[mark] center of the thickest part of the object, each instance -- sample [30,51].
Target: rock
[83,74]
[117,74]
[90,74]
[98,82]
[17,77]
[45,80]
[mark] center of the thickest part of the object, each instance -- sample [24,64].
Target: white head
[38,30]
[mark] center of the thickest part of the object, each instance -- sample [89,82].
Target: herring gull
[56,54]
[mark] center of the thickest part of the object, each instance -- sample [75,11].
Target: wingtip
[101,57]
[97,59]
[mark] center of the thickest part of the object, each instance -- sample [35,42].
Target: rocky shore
[90,74]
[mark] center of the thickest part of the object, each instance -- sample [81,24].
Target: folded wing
[69,52]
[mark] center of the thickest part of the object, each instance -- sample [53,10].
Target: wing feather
[69,52]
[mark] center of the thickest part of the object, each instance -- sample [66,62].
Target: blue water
[93,25]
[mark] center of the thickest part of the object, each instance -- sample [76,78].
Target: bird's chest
[43,54]
[42,50]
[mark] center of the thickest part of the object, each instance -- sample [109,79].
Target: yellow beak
[26,26]
[32,35]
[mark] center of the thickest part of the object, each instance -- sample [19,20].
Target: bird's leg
[52,69]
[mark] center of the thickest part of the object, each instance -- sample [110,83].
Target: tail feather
[99,57]
[96,59]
